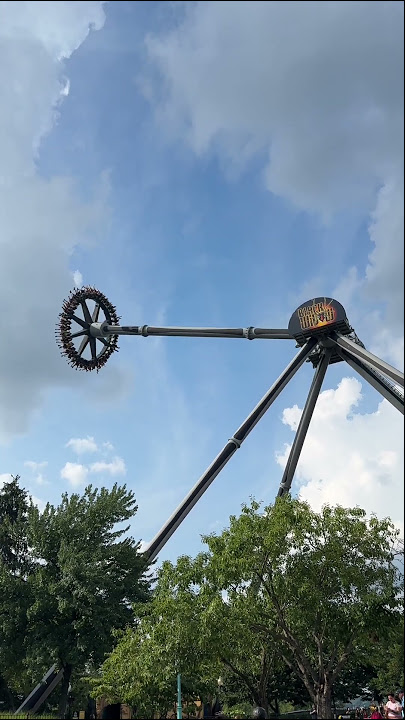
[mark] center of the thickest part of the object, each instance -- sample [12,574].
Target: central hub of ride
[318,318]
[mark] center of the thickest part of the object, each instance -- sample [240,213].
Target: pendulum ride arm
[250,333]
[303,426]
[230,448]
[88,334]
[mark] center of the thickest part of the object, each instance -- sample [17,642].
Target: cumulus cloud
[82,445]
[77,278]
[142,546]
[317,89]
[35,466]
[38,502]
[75,473]
[316,85]
[115,467]
[41,220]
[385,271]
[5,478]
[350,457]
[37,469]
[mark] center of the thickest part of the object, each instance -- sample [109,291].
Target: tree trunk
[273,706]
[324,704]
[67,674]
[264,704]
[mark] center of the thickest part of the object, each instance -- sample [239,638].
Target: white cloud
[60,28]
[317,88]
[41,220]
[82,445]
[142,546]
[5,478]
[115,467]
[388,344]
[35,466]
[108,447]
[38,502]
[385,271]
[77,278]
[349,457]
[75,473]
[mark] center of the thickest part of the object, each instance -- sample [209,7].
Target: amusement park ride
[87,334]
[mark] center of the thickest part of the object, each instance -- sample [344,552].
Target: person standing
[400,694]
[393,709]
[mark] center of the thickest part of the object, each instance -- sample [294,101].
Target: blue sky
[200,168]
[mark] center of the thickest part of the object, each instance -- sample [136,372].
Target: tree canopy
[286,604]
[14,593]
[79,585]
[284,595]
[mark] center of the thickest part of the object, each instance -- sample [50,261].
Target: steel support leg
[230,448]
[303,426]
[362,354]
[376,380]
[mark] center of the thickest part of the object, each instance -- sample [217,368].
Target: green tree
[86,578]
[325,584]
[143,667]
[312,590]
[389,660]
[14,507]
[14,590]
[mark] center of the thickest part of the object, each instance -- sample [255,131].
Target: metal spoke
[79,321]
[102,340]
[86,312]
[78,334]
[83,345]
[93,348]
[96,313]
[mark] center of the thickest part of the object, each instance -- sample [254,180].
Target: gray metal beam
[47,692]
[250,333]
[303,426]
[40,692]
[376,380]
[368,357]
[158,542]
